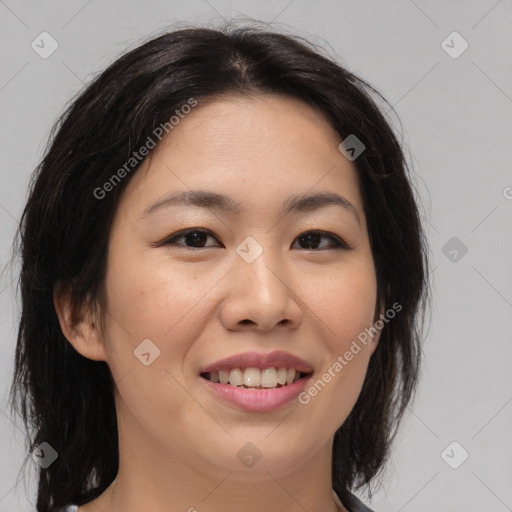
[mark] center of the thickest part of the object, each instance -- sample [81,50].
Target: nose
[261,296]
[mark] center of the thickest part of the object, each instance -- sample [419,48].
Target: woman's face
[254,282]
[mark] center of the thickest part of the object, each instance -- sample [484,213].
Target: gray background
[456,120]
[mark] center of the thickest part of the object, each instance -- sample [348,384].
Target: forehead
[258,150]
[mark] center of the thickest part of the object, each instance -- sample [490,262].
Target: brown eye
[195,237]
[311,240]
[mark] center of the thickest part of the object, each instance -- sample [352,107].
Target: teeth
[268,378]
[256,378]
[281,376]
[236,377]
[252,377]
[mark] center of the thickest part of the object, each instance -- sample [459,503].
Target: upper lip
[276,359]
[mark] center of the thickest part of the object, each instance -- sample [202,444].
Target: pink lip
[257,400]
[276,359]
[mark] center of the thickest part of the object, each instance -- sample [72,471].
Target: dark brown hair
[66,399]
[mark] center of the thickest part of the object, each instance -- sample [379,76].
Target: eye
[311,239]
[196,237]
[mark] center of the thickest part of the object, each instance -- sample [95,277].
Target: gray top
[350,501]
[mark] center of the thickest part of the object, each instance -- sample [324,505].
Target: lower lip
[258,400]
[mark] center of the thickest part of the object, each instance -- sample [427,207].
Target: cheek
[150,297]
[345,303]
[146,304]
[156,301]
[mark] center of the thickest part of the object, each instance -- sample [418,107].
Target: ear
[81,328]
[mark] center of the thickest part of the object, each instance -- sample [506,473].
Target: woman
[223,275]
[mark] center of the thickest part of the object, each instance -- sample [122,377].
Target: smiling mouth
[256,378]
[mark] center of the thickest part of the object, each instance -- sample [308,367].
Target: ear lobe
[79,327]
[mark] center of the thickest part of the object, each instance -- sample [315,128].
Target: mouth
[257,382]
[256,378]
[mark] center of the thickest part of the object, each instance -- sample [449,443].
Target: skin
[178,442]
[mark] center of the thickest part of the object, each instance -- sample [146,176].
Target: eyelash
[338,242]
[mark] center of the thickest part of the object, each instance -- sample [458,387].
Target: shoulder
[353,503]
[67,508]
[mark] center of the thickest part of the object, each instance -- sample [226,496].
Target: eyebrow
[216,201]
